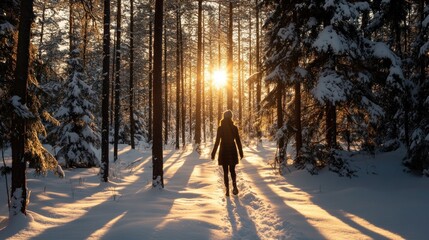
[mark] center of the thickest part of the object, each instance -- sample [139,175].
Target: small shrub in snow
[316,157]
[417,159]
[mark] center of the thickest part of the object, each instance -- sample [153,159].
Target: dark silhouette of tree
[229,85]
[258,77]
[198,85]
[104,169]
[166,108]
[150,84]
[117,80]
[178,76]
[131,85]
[19,100]
[157,157]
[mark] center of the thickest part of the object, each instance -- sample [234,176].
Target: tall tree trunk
[198,85]
[42,29]
[104,168]
[150,73]
[112,84]
[165,90]
[182,79]
[211,87]
[19,182]
[178,74]
[258,80]
[131,87]
[250,83]
[240,94]
[279,97]
[157,157]
[219,95]
[229,85]
[190,100]
[203,79]
[117,81]
[298,127]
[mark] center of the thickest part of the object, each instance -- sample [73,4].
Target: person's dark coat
[227,136]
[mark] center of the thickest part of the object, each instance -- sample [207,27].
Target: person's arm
[216,145]
[238,142]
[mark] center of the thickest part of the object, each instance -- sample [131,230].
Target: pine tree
[323,45]
[417,159]
[77,134]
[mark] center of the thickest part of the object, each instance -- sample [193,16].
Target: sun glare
[219,78]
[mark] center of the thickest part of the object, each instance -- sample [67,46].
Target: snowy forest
[118,102]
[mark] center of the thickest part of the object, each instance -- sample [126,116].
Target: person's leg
[225,178]
[234,179]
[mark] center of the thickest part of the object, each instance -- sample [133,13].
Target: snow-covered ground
[383,202]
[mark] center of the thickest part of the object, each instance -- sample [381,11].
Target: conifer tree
[323,45]
[77,134]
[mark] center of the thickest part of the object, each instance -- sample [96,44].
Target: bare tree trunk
[240,88]
[203,85]
[250,106]
[229,86]
[104,168]
[298,127]
[258,81]
[165,90]
[211,87]
[178,74]
[279,97]
[19,181]
[150,73]
[131,87]
[42,29]
[182,79]
[198,85]
[117,81]
[190,100]
[112,84]
[157,147]
[219,95]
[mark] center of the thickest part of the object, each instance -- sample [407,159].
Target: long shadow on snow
[109,208]
[152,218]
[92,220]
[340,210]
[170,226]
[279,201]
[337,214]
[248,229]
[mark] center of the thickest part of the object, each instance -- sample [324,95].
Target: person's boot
[235,189]
[227,192]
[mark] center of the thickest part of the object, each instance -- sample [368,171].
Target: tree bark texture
[157,146]
[19,181]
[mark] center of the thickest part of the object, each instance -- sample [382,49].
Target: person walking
[228,138]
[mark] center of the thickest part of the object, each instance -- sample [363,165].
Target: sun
[219,78]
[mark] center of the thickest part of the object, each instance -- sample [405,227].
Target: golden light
[219,78]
